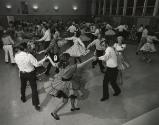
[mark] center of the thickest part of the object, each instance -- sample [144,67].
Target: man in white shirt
[121,29]
[26,64]
[99,45]
[46,38]
[97,31]
[111,73]
[72,29]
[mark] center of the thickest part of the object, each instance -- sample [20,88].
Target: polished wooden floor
[140,94]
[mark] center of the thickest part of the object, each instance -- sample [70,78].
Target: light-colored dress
[78,49]
[122,63]
[110,32]
[149,45]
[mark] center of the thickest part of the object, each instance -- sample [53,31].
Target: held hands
[43,51]
[94,58]
[47,58]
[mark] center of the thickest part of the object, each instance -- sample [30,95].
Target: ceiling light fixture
[75,8]
[35,7]
[56,7]
[8,6]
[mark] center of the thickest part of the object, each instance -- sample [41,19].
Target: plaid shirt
[53,47]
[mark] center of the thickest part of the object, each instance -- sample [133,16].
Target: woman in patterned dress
[148,48]
[78,49]
[61,84]
[122,63]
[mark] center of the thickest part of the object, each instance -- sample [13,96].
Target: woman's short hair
[5,32]
[46,26]
[109,40]
[78,33]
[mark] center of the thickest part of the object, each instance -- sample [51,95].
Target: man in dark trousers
[111,73]
[100,48]
[26,63]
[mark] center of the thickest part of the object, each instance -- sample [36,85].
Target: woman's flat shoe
[73,109]
[55,116]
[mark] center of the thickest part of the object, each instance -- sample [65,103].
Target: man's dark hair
[78,33]
[21,46]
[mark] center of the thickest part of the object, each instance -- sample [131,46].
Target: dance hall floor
[140,94]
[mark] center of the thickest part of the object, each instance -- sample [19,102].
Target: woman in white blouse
[78,49]
[122,64]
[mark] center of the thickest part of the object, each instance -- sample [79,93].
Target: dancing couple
[61,84]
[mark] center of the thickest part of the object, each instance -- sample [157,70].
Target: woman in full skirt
[122,63]
[78,49]
[61,84]
[148,48]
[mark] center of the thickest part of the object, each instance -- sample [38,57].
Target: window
[107,7]
[149,11]
[139,11]
[129,9]
[150,7]
[97,6]
[157,12]
[139,7]
[114,6]
[151,3]
[101,2]
[140,3]
[121,11]
[130,3]
[121,5]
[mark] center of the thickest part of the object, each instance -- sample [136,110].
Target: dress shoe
[137,53]
[55,116]
[23,99]
[73,109]
[116,94]
[104,99]
[13,64]
[37,108]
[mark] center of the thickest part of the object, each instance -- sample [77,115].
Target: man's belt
[26,72]
[7,44]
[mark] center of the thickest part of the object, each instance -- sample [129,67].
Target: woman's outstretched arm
[53,64]
[81,65]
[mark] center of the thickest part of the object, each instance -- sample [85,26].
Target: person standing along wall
[7,47]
